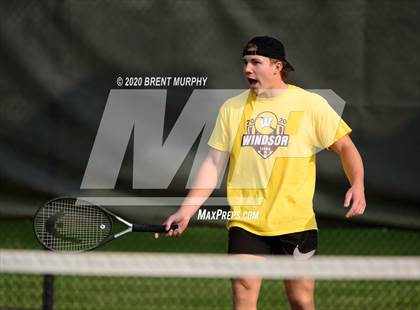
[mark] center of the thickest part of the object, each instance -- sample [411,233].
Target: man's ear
[279,66]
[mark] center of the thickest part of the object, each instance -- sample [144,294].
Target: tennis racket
[71,224]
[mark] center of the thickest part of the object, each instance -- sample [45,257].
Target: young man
[270,134]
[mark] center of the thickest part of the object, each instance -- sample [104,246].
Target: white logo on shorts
[299,255]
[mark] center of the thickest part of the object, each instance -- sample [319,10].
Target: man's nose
[247,68]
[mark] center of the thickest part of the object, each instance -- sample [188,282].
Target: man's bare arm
[206,181]
[353,168]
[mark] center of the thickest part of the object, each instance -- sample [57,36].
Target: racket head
[72,225]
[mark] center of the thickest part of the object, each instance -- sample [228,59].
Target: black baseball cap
[268,47]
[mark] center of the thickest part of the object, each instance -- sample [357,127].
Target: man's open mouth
[252,82]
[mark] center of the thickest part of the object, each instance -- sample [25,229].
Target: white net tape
[209,266]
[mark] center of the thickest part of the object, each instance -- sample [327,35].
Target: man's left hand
[356,196]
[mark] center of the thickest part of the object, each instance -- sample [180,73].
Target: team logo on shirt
[265,134]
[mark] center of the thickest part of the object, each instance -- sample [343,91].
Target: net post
[48,292]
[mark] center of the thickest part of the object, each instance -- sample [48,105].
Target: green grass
[75,292]
[18,234]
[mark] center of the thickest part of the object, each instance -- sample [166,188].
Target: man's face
[260,73]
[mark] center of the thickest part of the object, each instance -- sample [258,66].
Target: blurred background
[60,59]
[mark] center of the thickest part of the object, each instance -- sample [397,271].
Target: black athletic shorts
[300,244]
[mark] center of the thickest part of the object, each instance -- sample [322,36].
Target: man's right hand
[207,179]
[178,218]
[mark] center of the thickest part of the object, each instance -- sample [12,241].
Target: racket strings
[68,224]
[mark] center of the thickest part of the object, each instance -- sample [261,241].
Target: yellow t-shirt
[272,144]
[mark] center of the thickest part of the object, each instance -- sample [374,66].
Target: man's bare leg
[300,293]
[245,293]
[246,290]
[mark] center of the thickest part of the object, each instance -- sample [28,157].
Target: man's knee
[300,294]
[301,302]
[246,290]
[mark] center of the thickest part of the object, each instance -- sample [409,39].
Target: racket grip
[152,228]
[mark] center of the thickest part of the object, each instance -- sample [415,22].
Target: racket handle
[152,228]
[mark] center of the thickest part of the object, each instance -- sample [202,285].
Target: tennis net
[112,280]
